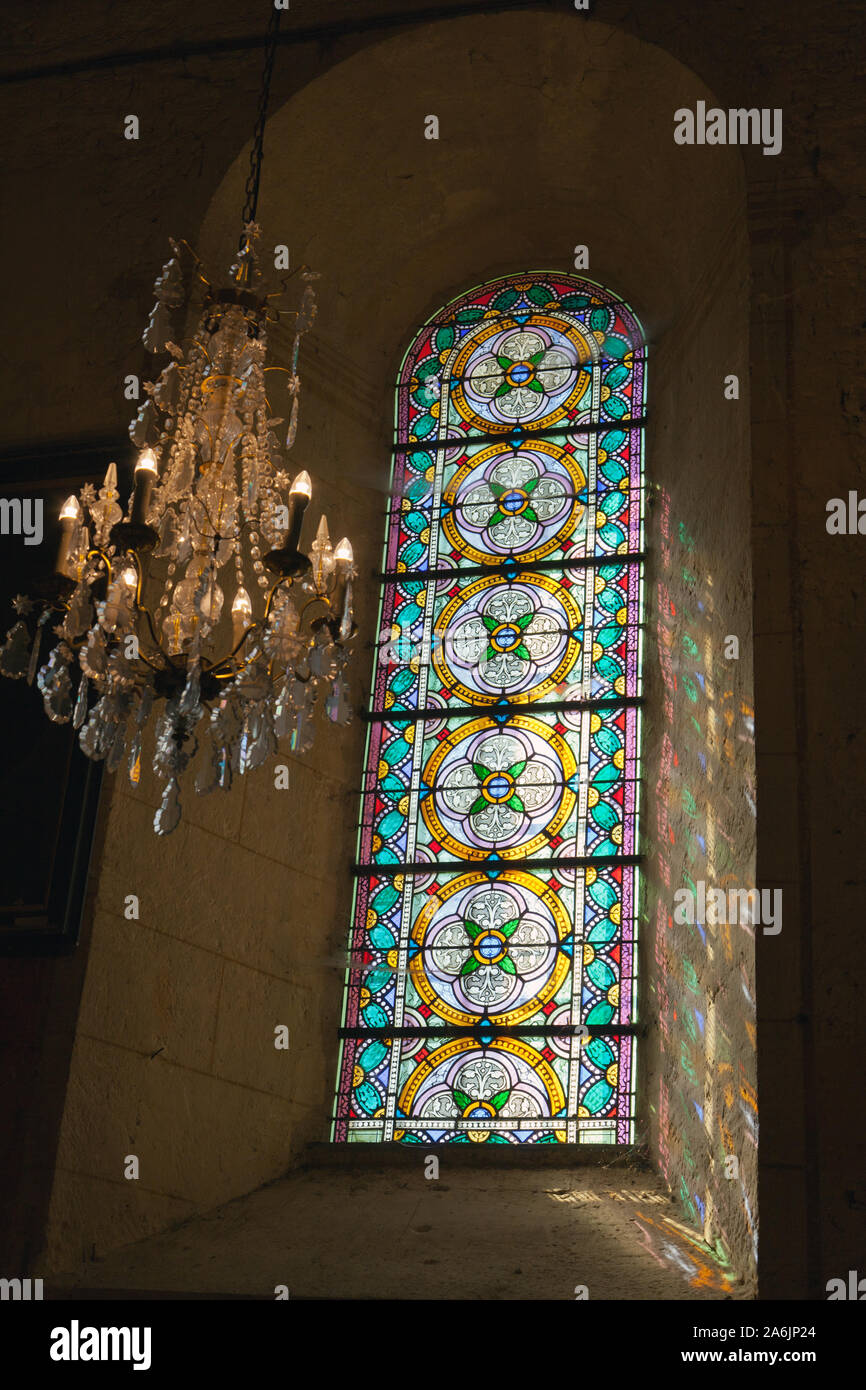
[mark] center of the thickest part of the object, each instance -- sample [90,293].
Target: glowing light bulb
[144,478]
[302,486]
[242,610]
[344,551]
[147,462]
[70,515]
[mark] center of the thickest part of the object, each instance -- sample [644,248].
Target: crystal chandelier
[195,608]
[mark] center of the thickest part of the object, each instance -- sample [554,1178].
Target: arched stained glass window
[491,995]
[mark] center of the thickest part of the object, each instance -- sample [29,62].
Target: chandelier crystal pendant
[243,636]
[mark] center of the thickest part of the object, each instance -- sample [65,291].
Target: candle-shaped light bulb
[70,515]
[145,477]
[341,599]
[242,611]
[299,496]
[302,485]
[146,461]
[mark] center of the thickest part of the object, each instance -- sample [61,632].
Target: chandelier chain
[255,170]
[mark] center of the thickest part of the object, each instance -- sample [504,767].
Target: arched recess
[554,132]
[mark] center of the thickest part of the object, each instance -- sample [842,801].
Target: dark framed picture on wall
[49,791]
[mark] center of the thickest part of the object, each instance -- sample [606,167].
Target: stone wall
[700,1066]
[555,130]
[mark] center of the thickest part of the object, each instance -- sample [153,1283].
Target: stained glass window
[491,991]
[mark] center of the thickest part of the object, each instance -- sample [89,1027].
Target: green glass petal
[600,1014]
[600,1053]
[389,824]
[382,938]
[367,1098]
[602,893]
[374,1016]
[604,815]
[374,1053]
[385,898]
[378,977]
[597,1097]
[608,741]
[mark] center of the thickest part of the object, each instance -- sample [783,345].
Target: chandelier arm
[140,608]
[275,294]
[182,241]
[213,669]
[148,662]
[102,555]
[317,598]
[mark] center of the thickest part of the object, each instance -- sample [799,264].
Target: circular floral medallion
[522,502]
[510,641]
[467,1087]
[520,375]
[490,949]
[498,790]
